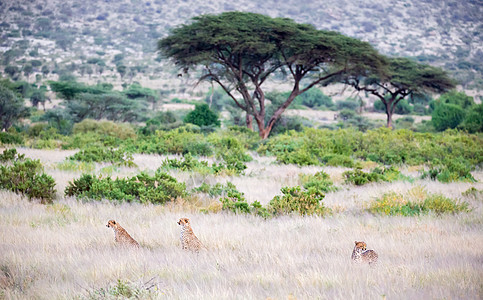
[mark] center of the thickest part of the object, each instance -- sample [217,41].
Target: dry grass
[65,250]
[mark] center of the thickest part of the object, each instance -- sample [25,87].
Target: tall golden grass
[65,251]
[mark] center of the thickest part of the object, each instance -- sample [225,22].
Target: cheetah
[189,241]
[361,253]
[122,237]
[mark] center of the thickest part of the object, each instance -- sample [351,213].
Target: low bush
[320,181]
[235,202]
[101,154]
[188,163]
[297,200]
[11,137]
[157,189]
[359,177]
[450,170]
[25,176]
[415,202]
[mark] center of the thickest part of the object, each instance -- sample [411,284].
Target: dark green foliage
[11,137]
[157,189]
[473,121]
[447,116]
[313,98]
[359,177]
[101,154]
[402,78]
[296,200]
[23,175]
[69,89]
[12,107]
[110,106]
[457,98]
[320,181]
[243,49]
[202,115]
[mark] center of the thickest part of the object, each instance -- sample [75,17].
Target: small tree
[239,51]
[202,115]
[11,70]
[11,108]
[27,70]
[403,78]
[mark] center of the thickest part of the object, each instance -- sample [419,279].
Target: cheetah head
[360,246]
[111,223]
[183,221]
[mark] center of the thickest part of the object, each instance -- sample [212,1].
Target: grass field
[65,251]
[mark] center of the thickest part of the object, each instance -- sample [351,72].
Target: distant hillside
[102,40]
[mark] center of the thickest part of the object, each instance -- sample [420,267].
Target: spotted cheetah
[121,236]
[189,241]
[361,253]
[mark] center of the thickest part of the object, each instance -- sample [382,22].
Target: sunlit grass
[65,250]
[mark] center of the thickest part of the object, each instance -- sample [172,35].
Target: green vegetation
[24,176]
[202,115]
[320,181]
[235,202]
[98,154]
[243,49]
[359,177]
[157,189]
[416,202]
[11,107]
[385,146]
[402,78]
[299,201]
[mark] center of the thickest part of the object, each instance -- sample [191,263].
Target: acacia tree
[403,78]
[240,51]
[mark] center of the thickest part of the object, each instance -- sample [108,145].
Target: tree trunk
[249,121]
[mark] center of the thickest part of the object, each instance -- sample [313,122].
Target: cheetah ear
[113,222]
[355,242]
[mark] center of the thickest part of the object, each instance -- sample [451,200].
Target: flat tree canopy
[240,51]
[404,77]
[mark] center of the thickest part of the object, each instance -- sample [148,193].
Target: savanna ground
[65,251]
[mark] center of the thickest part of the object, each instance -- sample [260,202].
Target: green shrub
[447,116]
[105,128]
[100,154]
[11,137]
[157,189]
[216,190]
[235,202]
[23,175]
[296,200]
[188,163]
[473,121]
[456,169]
[313,98]
[359,177]
[320,181]
[415,202]
[338,160]
[202,115]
